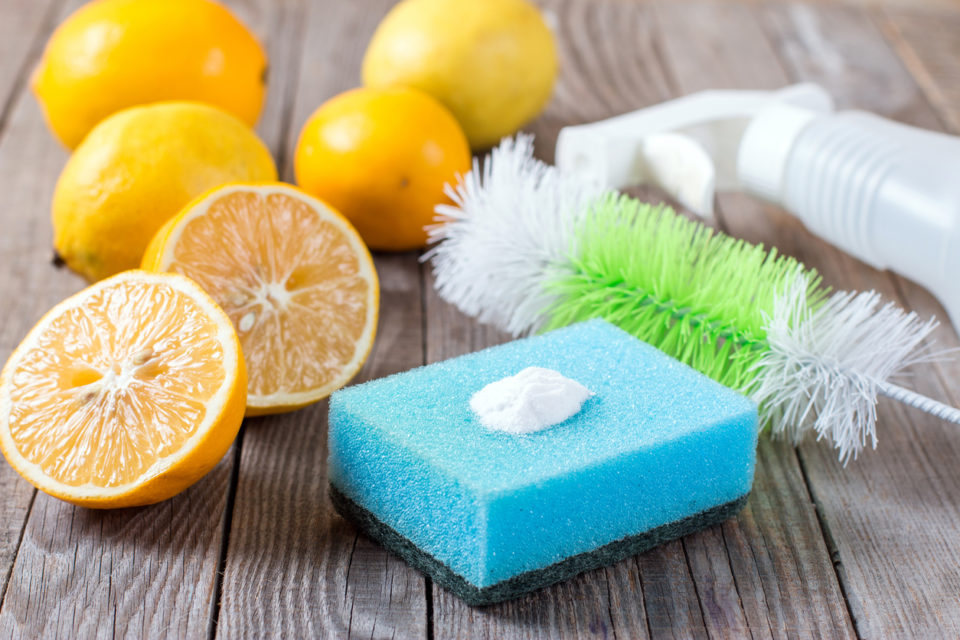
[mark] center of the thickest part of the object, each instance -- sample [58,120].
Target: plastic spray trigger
[686,147]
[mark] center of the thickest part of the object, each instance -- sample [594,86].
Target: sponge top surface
[642,399]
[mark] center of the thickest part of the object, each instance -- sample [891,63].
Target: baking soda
[534,399]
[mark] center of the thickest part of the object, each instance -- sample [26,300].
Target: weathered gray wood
[927,41]
[22,29]
[609,66]
[83,573]
[669,593]
[842,49]
[605,601]
[716,589]
[894,512]
[864,507]
[149,571]
[30,160]
[778,557]
[293,566]
[609,63]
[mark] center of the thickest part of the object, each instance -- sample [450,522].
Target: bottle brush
[528,248]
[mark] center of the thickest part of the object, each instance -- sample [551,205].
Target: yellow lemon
[113,54]
[491,62]
[296,280]
[136,170]
[124,394]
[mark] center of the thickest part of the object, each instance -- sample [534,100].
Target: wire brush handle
[914,399]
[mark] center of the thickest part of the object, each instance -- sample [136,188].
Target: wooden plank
[150,571]
[293,566]
[929,45]
[779,560]
[872,4]
[23,26]
[885,513]
[609,66]
[691,588]
[841,49]
[609,63]
[906,576]
[601,602]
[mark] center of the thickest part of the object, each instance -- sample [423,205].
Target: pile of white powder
[534,399]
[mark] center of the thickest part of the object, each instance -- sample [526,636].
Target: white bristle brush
[527,248]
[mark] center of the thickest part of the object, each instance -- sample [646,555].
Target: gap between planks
[316,575]
[841,48]
[111,553]
[285,132]
[225,536]
[18,85]
[277,135]
[27,47]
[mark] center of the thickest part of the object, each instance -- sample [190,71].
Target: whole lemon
[381,157]
[113,54]
[491,62]
[138,168]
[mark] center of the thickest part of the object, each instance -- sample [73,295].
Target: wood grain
[30,159]
[597,603]
[778,555]
[20,38]
[855,514]
[928,41]
[23,30]
[887,525]
[895,528]
[79,572]
[293,566]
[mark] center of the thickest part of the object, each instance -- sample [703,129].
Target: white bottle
[885,192]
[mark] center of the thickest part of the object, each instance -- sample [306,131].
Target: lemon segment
[124,394]
[295,279]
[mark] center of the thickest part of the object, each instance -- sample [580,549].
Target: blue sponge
[657,451]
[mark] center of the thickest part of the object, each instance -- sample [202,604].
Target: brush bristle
[696,294]
[824,365]
[510,225]
[526,247]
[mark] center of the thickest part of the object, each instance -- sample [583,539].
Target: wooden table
[255,549]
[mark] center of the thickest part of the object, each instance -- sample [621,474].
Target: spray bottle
[887,193]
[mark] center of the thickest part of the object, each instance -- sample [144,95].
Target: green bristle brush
[527,248]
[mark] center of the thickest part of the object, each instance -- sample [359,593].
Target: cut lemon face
[123,394]
[295,279]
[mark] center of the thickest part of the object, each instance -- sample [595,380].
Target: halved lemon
[295,279]
[123,394]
